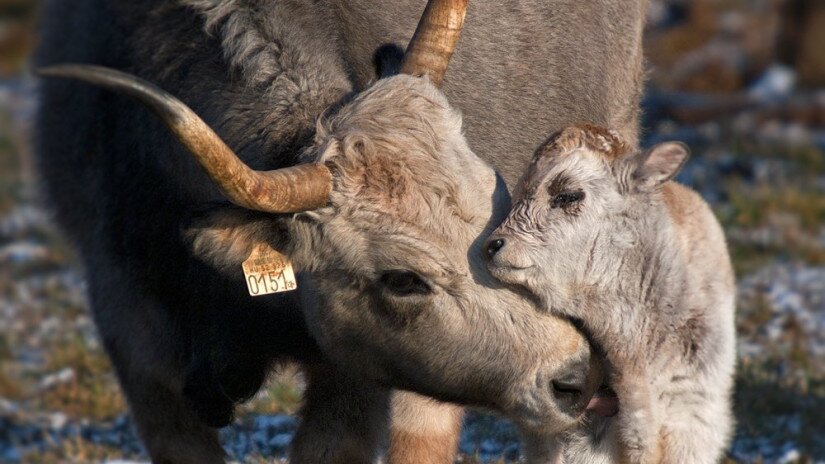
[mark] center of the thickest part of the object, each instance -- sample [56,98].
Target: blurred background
[741,81]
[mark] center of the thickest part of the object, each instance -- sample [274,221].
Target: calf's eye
[404,283]
[567,198]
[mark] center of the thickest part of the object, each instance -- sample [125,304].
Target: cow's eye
[567,198]
[404,283]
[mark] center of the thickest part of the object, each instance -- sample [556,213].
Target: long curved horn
[435,39]
[288,190]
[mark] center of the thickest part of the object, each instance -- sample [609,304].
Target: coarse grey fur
[600,234]
[186,341]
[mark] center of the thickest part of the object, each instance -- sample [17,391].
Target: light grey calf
[599,234]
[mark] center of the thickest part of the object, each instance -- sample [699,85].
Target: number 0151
[264,283]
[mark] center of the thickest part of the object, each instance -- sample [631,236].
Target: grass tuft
[92,392]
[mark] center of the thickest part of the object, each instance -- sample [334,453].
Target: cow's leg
[172,433]
[147,354]
[344,421]
[423,430]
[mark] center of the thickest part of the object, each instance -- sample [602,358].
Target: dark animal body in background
[260,73]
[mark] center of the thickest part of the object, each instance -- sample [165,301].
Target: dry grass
[759,206]
[17,38]
[788,205]
[281,394]
[74,450]
[92,392]
[9,388]
[10,182]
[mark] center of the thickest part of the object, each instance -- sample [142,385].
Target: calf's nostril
[493,246]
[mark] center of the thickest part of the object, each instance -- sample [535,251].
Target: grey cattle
[160,246]
[599,233]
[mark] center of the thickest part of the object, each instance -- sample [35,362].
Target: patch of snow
[63,376]
[777,82]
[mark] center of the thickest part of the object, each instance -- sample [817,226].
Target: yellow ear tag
[267,271]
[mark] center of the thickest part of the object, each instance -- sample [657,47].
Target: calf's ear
[660,164]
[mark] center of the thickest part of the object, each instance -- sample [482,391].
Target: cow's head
[386,219]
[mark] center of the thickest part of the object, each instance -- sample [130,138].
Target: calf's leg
[639,424]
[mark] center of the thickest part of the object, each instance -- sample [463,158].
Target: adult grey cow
[394,296]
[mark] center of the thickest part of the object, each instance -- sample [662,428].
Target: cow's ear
[224,236]
[660,164]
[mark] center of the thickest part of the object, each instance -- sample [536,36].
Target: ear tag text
[266,272]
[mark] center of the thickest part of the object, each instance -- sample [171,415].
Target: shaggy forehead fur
[398,147]
[607,145]
[605,142]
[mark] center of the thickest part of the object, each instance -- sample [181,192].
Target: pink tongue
[605,406]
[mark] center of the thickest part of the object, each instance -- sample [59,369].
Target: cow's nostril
[493,246]
[567,388]
[569,396]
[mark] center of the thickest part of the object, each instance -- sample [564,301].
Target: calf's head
[386,220]
[586,217]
